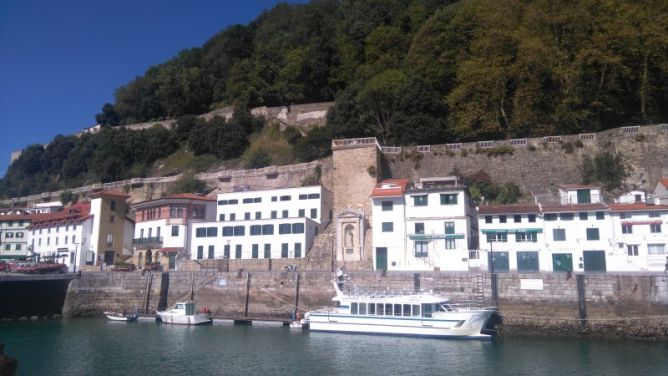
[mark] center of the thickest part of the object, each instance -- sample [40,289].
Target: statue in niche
[349,237]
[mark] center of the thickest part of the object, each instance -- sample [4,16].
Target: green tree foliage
[605,168]
[188,184]
[108,116]
[257,159]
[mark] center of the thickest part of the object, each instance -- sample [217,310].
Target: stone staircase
[321,254]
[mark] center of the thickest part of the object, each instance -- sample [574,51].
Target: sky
[60,61]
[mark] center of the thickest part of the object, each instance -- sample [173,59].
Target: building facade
[14,235]
[277,223]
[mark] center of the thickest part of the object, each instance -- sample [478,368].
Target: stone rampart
[618,305]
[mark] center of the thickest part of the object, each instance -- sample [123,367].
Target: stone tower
[356,165]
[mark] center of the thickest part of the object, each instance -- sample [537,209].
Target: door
[381,258]
[172,260]
[562,262]
[594,261]
[584,196]
[499,261]
[109,257]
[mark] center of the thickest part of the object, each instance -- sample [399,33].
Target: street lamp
[491,239]
[76,252]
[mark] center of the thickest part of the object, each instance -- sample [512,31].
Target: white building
[422,226]
[512,235]
[86,233]
[640,237]
[14,236]
[660,193]
[277,223]
[164,225]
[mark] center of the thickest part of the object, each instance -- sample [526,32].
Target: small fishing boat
[402,313]
[115,316]
[184,314]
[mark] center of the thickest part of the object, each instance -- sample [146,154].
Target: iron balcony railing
[147,241]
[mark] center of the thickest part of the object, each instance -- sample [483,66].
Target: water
[99,347]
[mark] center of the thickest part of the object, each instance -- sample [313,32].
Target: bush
[606,168]
[258,158]
[567,148]
[500,150]
[188,184]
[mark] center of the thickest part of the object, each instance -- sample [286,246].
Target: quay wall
[615,305]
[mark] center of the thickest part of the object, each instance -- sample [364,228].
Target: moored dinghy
[115,316]
[184,314]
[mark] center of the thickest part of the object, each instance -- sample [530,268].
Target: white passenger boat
[412,314]
[184,314]
[115,316]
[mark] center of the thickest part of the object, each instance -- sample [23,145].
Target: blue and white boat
[413,314]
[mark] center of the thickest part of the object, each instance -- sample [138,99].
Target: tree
[108,116]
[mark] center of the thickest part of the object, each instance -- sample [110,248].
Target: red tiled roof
[170,249]
[664,182]
[508,209]
[557,208]
[390,188]
[191,196]
[636,207]
[578,186]
[15,217]
[75,213]
[110,193]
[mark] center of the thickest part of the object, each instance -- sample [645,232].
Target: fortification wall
[618,305]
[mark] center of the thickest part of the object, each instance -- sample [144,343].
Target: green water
[99,347]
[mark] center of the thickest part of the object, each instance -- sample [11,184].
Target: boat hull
[116,317]
[196,319]
[450,325]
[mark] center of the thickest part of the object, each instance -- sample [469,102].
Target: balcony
[435,236]
[148,242]
[421,254]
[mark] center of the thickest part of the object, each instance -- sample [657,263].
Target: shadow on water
[30,298]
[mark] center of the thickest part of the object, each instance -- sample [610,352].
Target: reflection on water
[99,347]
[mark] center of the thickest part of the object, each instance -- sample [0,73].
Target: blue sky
[60,61]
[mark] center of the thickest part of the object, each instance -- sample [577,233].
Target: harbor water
[99,347]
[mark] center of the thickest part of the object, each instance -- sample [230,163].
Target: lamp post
[491,252]
[76,254]
[494,286]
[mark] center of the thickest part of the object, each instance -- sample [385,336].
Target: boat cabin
[398,309]
[186,308]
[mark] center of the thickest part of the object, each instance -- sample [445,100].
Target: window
[632,249]
[625,215]
[387,205]
[258,215]
[527,261]
[559,234]
[500,237]
[421,248]
[303,196]
[247,215]
[654,214]
[421,200]
[532,218]
[284,250]
[314,213]
[211,232]
[175,230]
[228,231]
[312,196]
[273,214]
[200,252]
[247,201]
[9,235]
[18,247]
[274,198]
[526,237]
[267,251]
[302,213]
[298,249]
[284,228]
[233,202]
[256,230]
[502,219]
[239,230]
[419,228]
[221,217]
[592,234]
[449,228]
[600,215]
[175,212]
[450,244]
[285,198]
[627,229]
[566,216]
[448,199]
[388,227]
[583,216]
[237,251]
[112,219]
[550,217]
[297,228]
[655,228]
[656,249]
[254,251]
[267,229]
[226,251]
[284,214]
[488,219]
[211,250]
[110,240]
[8,247]
[233,217]
[19,234]
[112,204]
[257,200]
[222,202]
[517,218]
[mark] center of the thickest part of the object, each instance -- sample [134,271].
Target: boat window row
[395,309]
